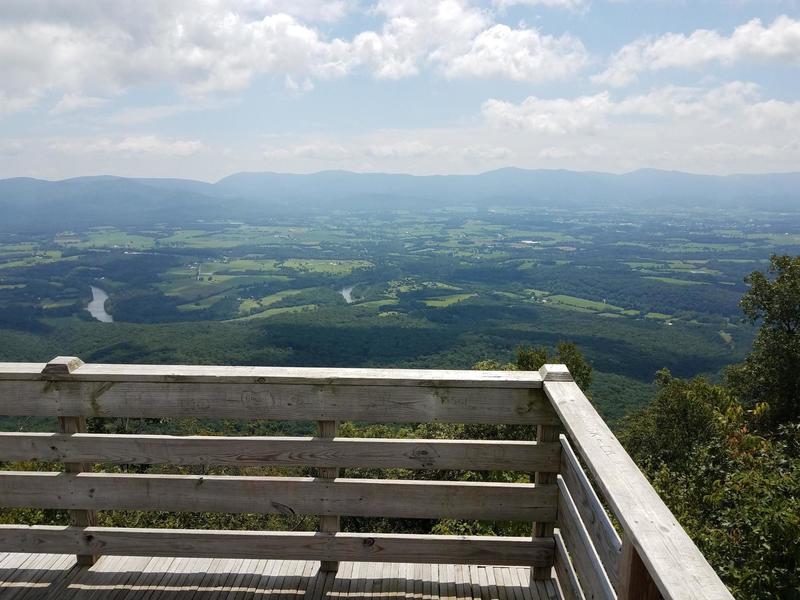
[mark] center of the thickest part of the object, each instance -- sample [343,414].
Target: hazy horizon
[402,173]
[206,88]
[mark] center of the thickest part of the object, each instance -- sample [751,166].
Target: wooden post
[328,523]
[547,433]
[635,582]
[60,366]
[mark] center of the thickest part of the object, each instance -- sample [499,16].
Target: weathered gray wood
[285,495]
[555,372]
[544,434]
[286,402]
[677,566]
[65,365]
[593,579]
[286,375]
[604,537]
[547,433]
[328,523]
[281,451]
[565,572]
[62,366]
[80,518]
[635,582]
[295,545]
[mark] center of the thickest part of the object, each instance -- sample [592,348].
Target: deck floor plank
[57,577]
[49,570]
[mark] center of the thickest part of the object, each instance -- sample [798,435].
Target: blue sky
[204,88]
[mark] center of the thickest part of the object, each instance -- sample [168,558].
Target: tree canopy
[726,457]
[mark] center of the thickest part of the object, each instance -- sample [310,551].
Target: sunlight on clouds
[209,47]
[733,104]
[520,55]
[573,5]
[779,42]
[444,85]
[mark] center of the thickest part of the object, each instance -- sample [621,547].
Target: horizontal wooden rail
[275,401]
[483,550]
[282,451]
[284,495]
[290,375]
[604,537]
[676,565]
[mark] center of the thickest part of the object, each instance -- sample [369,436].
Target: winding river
[97,307]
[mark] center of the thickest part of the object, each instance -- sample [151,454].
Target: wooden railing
[651,556]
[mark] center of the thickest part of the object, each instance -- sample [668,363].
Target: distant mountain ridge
[32,205]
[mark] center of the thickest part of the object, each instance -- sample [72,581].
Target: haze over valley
[642,271]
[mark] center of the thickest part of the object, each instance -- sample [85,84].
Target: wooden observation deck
[576,550]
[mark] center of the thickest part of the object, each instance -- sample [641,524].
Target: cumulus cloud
[752,42]
[556,117]
[97,49]
[736,103]
[520,55]
[572,5]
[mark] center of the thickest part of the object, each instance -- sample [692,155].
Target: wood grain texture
[53,577]
[277,375]
[284,495]
[604,537]
[283,402]
[588,567]
[282,451]
[62,365]
[636,582]
[328,523]
[295,545]
[69,426]
[677,566]
[565,572]
[545,434]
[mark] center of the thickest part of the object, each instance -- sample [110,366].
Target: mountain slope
[34,205]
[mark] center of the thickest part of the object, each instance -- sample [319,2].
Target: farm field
[439,287]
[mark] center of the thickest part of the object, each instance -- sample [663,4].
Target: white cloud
[486,153]
[562,151]
[402,149]
[129,146]
[722,129]
[556,117]
[751,42]
[81,52]
[520,55]
[418,32]
[733,104]
[390,148]
[573,5]
[316,150]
